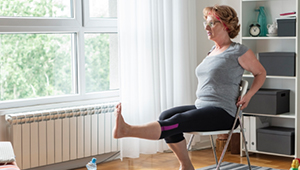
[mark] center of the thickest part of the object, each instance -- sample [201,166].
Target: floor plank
[200,158]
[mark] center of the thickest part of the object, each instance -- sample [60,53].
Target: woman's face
[213,27]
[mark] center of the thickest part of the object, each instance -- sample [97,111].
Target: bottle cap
[94,160]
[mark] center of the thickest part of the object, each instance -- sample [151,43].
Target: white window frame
[96,22]
[80,24]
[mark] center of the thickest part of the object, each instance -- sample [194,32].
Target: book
[288,16]
[288,13]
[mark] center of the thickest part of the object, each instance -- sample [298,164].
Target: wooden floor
[200,158]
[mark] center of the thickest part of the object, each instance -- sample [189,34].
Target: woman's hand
[244,101]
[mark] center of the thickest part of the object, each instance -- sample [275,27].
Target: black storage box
[286,26]
[278,63]
[276,140]
[269,101]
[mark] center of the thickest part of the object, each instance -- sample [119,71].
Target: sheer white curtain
[158,60]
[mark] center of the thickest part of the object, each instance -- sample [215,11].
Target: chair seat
[219,132]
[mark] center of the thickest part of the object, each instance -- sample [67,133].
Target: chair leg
[214,148]
[244,142]
[224,150]
[190,142]
[228,140]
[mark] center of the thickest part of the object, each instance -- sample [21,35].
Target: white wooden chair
[243,90]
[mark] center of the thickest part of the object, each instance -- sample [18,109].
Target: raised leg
[149,131]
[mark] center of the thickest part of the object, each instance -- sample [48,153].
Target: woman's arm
[250,63]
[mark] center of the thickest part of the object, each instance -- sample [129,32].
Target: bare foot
[121,126]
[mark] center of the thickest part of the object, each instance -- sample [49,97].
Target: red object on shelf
[288,13]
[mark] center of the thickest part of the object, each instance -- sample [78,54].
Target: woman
[219,75]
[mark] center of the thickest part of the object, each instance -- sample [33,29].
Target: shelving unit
[268,38]
[271,77]
[284,115]
[274,44]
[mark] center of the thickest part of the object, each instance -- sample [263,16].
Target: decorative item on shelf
[298,159]
[254,29]
[262,21]
[272,29]
[294,165]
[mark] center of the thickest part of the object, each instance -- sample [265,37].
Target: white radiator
[52,136]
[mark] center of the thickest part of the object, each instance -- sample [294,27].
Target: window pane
[103,8]
[101,57]
[36,8]
[35,65]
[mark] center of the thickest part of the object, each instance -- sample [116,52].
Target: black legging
[181,119]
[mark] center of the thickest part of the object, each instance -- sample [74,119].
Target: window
[35,65]
[47,54]
[36,8]
[103,8]
[100,52]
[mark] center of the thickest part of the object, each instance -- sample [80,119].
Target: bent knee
[163,116]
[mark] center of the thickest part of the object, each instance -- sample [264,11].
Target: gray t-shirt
[219,77]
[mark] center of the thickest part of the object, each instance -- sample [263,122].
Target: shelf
[271,77]
[283,115]
[269,38]
[269,153]
[258,0]
[252,0]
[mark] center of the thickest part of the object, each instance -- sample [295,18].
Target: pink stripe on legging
[163,128]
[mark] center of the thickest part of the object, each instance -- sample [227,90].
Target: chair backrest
[243,87]
[243,90]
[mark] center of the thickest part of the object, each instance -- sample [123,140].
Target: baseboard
[79,163]
[201,145]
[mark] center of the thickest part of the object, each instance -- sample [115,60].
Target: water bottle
[262,21]
[92,164]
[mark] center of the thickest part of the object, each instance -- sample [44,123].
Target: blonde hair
[228,17]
